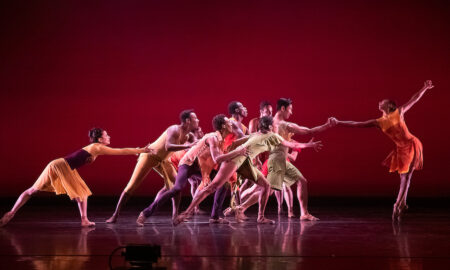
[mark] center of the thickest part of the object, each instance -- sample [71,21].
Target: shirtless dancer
[173,139]
[195,179]
[202,157]
[281,171]
[259,142]
[238,112]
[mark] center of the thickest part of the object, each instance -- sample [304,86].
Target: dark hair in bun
[95,134]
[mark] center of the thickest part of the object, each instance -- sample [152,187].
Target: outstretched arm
[238,142]
[171,143]
[105,150]
[218,156]
[294,128]
[364,124]
[317,145]
[405,107]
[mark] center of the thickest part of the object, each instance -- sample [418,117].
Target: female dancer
[61,177]
[407,155]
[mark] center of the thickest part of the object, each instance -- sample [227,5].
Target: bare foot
[402,208]
[198,211]
[87,223]
[280,210]
[239,215]
[308,217]
[6,218]
[219,221]
[396,212]
[112,219]
[291,214]
[229,211]
[263,220]
[179,219]
[141,220]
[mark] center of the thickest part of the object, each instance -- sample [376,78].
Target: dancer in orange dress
[61,176]
[407,155]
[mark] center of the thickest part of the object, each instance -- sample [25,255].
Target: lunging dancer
[202,157]
[281,172]
[61,176]
[407,155]
[264,140]
[173,139]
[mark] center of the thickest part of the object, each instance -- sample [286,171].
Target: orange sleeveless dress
[408,152]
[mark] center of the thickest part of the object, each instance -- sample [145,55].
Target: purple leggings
[219,197]
[184,173]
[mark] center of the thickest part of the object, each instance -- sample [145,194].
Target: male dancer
[238,112]
[175,158]
[281,171]
[203,156]
[259,142]
[265,109]
[173,139]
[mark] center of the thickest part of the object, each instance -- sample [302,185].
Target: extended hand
[332,121]
[189,145]
[147,149]
[244,151]
[428,84]
[317,145]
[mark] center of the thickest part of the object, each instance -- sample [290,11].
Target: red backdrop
[131,67]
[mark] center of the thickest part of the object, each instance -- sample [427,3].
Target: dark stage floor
[46,236]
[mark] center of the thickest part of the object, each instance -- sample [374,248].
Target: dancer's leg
[245,196]
[302,196]
[262,193]
[400,204]
[225,172]
[263,197]
[194,185]
[219,197]
[82,206]
[23,198]
[246,185]
[184,172]
[143,166]
[289,199]
[279,196]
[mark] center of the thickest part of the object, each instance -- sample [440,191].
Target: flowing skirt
[405,157]
[59,178]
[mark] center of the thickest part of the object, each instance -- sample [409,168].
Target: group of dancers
[250,163]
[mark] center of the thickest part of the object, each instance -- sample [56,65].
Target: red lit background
[131,67]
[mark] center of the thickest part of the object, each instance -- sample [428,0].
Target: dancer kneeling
[61,176]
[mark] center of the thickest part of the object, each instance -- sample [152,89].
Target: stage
[47,235]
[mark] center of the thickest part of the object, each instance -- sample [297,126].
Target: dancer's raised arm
[405,107]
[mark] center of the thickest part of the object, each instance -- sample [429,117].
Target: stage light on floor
[139,256]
